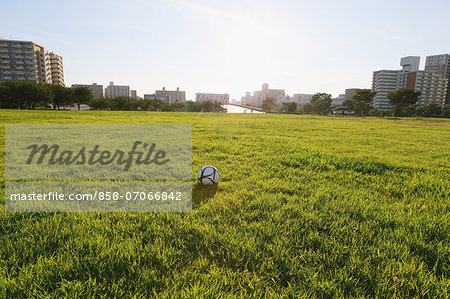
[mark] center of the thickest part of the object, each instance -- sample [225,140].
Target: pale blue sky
[230,46]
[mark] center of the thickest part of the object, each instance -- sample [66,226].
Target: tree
[33,94]
[292,108]
[284,107]
[61,96]
[361,101]
[8,95]
[412,110]
[122,103]
[432,109]
[23,94]
[154,105]
[82,95]
[446,111]
[269,105]
[403,98]
[348,103]
[218,106]
[307,108]
[288,107]
[99,104]
[321,102]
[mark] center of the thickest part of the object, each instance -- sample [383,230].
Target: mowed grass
[307,206]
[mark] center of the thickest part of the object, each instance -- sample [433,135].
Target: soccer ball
[208,175]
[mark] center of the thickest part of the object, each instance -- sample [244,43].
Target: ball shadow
[201,193]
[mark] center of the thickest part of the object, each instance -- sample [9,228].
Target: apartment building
[25,60]
[164,98]
[175,96]
[222,98]
[384,82]
[97,90]
[431,85]
[41,67]
[301,98]
[133,94]
[440,64]
[54,68]
[112,91]
[247,99]
[349,92]
[265,93]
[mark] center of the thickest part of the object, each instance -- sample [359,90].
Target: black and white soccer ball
[208,175]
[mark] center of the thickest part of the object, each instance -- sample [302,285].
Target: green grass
[307,206]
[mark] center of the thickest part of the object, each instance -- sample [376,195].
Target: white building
[164,98]
[174,96]
[349,92]
[247,99]
[431,85]
[281,98]
[133,94]
[339,100]
[302,98]
[97,90]
[265,93]
[54,68]
[113,91]
[222,98]
[384,82]
[440,64]
[28,61]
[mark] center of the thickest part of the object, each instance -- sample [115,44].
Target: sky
[222,46]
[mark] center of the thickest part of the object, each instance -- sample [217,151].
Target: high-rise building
[440,64]
[133,94]
[164,98]
[265,93]
[222,98]
[384,82]
[431,85]
[97,90]
[41,67]
[25,60]
[349,92]
[54,68]
[175,96]
[112,91]
[247,99]
[302,98]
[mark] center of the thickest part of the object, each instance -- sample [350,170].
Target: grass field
[307,206]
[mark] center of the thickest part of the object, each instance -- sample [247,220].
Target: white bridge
[233,108]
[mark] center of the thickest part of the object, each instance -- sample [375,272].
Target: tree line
[130,104]
[31,95]
[404,102]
